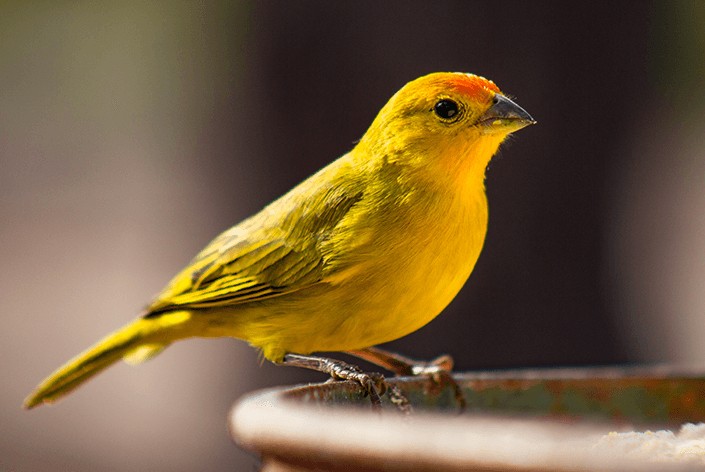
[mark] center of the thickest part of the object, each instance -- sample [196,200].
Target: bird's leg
[373,383]
[438,369]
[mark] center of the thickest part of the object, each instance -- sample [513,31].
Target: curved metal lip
[323,425]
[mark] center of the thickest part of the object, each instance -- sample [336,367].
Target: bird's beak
[504,116]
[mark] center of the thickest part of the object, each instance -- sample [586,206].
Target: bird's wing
[273,253]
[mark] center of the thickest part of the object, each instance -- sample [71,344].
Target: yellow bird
[367,250]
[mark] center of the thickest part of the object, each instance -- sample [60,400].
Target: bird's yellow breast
[434,252]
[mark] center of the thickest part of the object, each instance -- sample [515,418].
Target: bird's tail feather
[136,342]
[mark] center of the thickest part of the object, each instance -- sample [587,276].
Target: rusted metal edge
[319,426]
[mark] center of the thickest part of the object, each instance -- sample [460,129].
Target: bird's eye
[446,109]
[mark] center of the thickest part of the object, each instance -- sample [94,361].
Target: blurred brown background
[132,133]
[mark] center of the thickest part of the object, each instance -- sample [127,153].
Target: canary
[368,249]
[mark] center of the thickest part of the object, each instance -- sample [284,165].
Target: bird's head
[452,122]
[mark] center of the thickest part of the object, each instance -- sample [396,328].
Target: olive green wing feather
[244,274]
[270,254]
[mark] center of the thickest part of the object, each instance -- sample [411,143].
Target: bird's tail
[138,341]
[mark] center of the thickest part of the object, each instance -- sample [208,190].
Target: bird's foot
[372,383]
[438,369]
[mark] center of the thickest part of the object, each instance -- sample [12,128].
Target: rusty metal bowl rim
[295,426]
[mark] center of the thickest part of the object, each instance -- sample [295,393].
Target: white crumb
[685,446]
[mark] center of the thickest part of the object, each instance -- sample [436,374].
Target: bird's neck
[460,170]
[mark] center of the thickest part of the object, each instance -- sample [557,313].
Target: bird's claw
[438,370]
[373,383]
